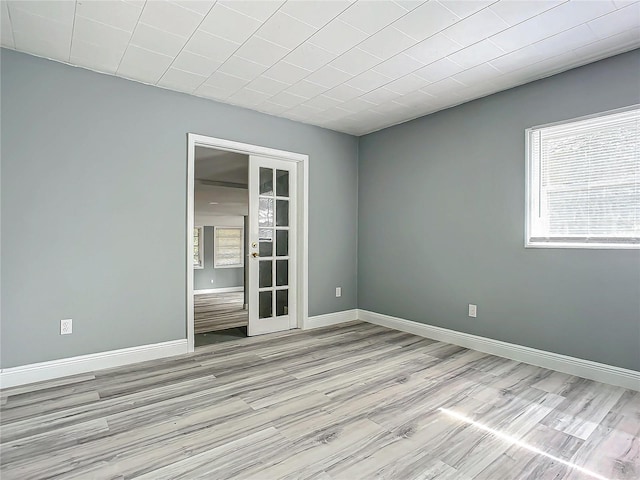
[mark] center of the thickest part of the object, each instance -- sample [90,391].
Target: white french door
[272,245]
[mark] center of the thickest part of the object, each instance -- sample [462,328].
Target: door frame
[302,203]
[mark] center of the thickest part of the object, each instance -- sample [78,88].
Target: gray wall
[94,207]
[441,225]
[209,277]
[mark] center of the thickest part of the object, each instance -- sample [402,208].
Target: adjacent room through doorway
[221,206]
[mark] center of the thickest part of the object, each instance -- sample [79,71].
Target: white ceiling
[354,67]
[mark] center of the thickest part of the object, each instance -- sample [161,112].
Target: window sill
[584,246]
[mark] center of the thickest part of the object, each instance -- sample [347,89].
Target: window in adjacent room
[198,247]
[583,182]
[228,249]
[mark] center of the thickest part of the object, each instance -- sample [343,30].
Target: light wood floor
[219,311]
[354,401]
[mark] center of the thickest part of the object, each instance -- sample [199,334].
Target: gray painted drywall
[94,207]
[441,225]
[209,277]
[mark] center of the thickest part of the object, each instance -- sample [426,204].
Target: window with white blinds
[228,247]
[584,182]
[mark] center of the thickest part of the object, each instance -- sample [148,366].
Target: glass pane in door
[282,302]
[282,243]
[266,181]
[282,183]
[282,272]
[282,213]
[265,212]
[266,307]
[265,274]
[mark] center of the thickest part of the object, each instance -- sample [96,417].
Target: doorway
[275,246]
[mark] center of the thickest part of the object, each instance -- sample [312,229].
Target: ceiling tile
[613,45]
[438,70]
[170,17]
[387,43]
[143,65]
[398,66]
[287,99]
[344,92]
[565,41]
[518,58]
[247,97]
[380,95]
[267,85]
[337,37]
[316,13]
[409,4]
[180,80]
[433,49]
[406,84]
[372,16]
[309,56]
[272,108]
[328,76]
[199,6]
[261,51]
[6,31]
[464,8]
[322,102]
[157,40]
[551,22]
[368,80]
[355,61]
[285,30]
[357,105]
[116,14]
[226,82]
[258,9]
[207,45]
[40,36]
[306,89]
[229,24]
[415,99]
[286,72]
[213,92]
[62,12]
[190,62]
[448,86]
[100,34]
[239,67]
[426,20]
[624,19]
[481,52]
[476,74]
[476,27]
[516,12]
[97,57]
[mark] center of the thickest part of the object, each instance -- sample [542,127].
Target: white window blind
[228,247]
[584,182]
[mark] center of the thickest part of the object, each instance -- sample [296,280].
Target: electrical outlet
[338,292]
[473,310]
[66,326]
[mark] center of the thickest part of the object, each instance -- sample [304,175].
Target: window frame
[215,246]
[532,201]
[200,266]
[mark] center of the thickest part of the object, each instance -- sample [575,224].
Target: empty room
[329,239]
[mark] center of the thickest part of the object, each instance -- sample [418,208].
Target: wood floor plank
[219,311]
[346,402]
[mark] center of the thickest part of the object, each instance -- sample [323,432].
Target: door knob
[255,254]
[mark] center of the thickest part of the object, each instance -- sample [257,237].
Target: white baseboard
[331,319]
[218,290]
[37,372]
[599,372]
